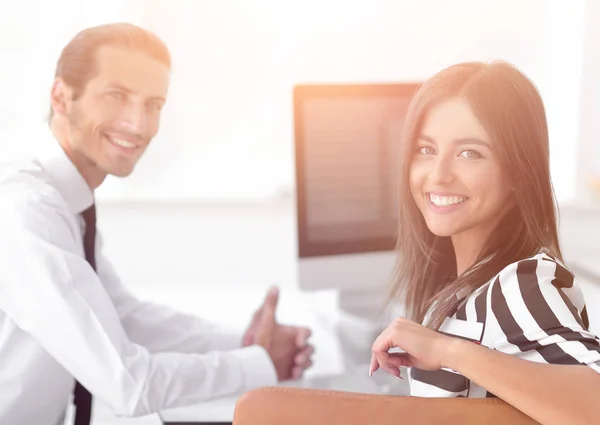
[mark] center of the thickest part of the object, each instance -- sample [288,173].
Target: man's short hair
[77,64]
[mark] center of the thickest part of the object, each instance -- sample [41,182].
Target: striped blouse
[533,309]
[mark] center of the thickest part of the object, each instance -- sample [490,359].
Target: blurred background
[212,215]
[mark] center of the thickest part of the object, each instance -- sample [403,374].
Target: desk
[221,411]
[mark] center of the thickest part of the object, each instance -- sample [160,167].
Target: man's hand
[287,345]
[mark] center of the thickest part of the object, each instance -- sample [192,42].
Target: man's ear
[60,97]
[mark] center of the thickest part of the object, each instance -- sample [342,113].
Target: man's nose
[135,118]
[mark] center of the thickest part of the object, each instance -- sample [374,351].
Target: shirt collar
[63,174]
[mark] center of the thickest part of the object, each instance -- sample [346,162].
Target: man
[65,317]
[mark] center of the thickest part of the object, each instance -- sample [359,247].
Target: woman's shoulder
[542,268]
[540,282]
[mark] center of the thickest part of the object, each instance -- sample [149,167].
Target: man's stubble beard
[81,149]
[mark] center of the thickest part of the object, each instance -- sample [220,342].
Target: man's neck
[92,175]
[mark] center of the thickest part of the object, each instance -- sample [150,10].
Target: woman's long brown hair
[510,108]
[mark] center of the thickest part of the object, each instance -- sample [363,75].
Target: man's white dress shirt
[61,321]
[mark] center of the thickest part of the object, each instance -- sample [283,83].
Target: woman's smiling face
[456,177]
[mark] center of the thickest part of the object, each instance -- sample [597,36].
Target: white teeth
[445,201]
[122,143]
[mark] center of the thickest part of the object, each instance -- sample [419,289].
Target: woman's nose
[442,171]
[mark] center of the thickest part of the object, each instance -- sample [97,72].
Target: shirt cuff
[258,368]
[225,340]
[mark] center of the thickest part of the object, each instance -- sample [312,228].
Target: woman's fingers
[382,358]
[393,371]
[399,360]
[391,363]
[374,365]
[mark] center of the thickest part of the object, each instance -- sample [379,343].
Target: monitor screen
[347,139]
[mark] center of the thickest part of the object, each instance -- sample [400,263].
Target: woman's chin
[442,229]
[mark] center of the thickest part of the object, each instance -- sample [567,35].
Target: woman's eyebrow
[460,141]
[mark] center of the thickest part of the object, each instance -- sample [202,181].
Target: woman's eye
[470,154]
[426,150]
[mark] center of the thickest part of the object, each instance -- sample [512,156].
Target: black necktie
[82,397]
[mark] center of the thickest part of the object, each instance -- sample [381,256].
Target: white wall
[227,129]
[236,63]
[229,123]
[154,244]
[32,35]
[588,155]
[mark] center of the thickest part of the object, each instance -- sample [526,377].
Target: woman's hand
[423,348]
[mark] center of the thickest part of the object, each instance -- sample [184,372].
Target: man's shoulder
[24,186]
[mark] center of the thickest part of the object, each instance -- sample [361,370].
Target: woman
[492,311]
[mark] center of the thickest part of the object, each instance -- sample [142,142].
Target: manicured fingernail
[370,373]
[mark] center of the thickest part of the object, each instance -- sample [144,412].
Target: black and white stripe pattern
[533,309]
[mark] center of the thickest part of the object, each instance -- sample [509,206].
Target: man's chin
[120,171]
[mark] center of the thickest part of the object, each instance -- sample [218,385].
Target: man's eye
[117,95]
[155,106]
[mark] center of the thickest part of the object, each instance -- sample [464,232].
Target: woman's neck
[467,248]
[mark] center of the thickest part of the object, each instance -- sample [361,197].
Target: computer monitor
[347,140]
